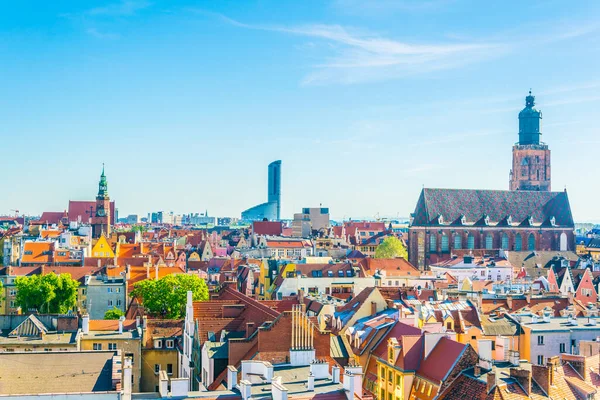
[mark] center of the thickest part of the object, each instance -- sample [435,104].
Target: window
[118,302]
[457,242]
[158,344]
[398,380]
[110,303]
[170,343]
[341,273]
[130,355]
[540,340]
[540,360]
[112,346]
[156,368]
[562,348]
[445,246]
[489,242]
[470,242]
[389,396]
[531,242]
[97,346]
[290,274]
[12,292]
[493,345]
[349,273]
[504,242]
[330,274]
[518,242]
[170,369]
[432,243]
[383,372]
[390,376]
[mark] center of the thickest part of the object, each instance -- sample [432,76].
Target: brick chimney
[249,329]
[491,381]
[541,375]
[476,370]
[522,376]
[373,308]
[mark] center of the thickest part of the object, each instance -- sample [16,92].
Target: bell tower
[531,157]
[101,219]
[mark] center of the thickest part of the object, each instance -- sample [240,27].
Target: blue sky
[364,101]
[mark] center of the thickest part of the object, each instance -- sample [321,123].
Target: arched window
[504,242]
[457,242]
[518,242]
[470,242]
[489,241]
[531,242]
[563,242]
[432,243]
[445,244]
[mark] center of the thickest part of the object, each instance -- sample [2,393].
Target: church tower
[101,220]
[531,157]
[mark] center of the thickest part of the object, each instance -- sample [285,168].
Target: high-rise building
[531,157]
[274,192]
[271,210]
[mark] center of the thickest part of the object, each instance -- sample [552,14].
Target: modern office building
[271,210]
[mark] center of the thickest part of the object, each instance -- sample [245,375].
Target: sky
[365,102]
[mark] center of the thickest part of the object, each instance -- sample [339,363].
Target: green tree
[115,313]
[50,293]
[391,247]
[167,296]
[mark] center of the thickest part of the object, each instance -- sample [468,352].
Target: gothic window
[518,242]
[531,242]
[470,242]
[457,242]
[445,244]
[563,242]
[432,243]
[504,242]
[489,241]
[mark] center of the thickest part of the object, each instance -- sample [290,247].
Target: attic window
[552,221]
[341,273]
[440,219]
[486,219]
[330,273]
[463,220]
[509,220]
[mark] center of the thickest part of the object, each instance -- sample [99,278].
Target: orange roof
[128,249]
[37,252]
[46,233]
[110,324]
[285,243]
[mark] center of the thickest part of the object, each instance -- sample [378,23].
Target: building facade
[459,221]
[531,157]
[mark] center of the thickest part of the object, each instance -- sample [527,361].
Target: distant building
[531,158]
[311,219]
[271,210]
[457,221]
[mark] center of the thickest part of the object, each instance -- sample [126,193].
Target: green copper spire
[530,122]
[102,186]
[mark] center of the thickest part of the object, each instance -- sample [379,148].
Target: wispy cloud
[364,56]
[379,6]
[120,9]
[101,35]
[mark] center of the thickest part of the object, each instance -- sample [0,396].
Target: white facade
[476,272]
[323,285]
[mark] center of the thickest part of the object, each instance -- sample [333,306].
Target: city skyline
[383,99]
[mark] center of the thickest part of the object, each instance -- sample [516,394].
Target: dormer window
[463,220]
[486,219]
[530,221]
[552,221]
[440,219]
[509,220]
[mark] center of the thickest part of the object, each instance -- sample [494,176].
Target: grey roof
[65,372]
[474,205]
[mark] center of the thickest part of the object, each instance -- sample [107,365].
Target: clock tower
[101,219]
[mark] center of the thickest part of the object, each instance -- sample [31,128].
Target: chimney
[249,329]
[311,382]
[335,374]
[232,374]
[509,301]
[491,381]
[541,376]
[127,380]
[121,319]
[522,376]
[528,297]
[373,308]
[137,321]
[476,371]
[85,324]
[144,322]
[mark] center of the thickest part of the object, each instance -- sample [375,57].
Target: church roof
[437,207]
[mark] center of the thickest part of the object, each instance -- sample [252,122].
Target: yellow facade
[165,359]
[129,345]
[102,249]
[391,382]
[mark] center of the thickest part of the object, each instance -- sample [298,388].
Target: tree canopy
[167,296]
[115,313]
[391,247]
[50,293]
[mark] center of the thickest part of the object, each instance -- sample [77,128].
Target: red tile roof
[80,211]
[441,360]
[271,228]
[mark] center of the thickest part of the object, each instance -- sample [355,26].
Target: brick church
[528,217]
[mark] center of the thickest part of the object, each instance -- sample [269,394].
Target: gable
[31,327]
